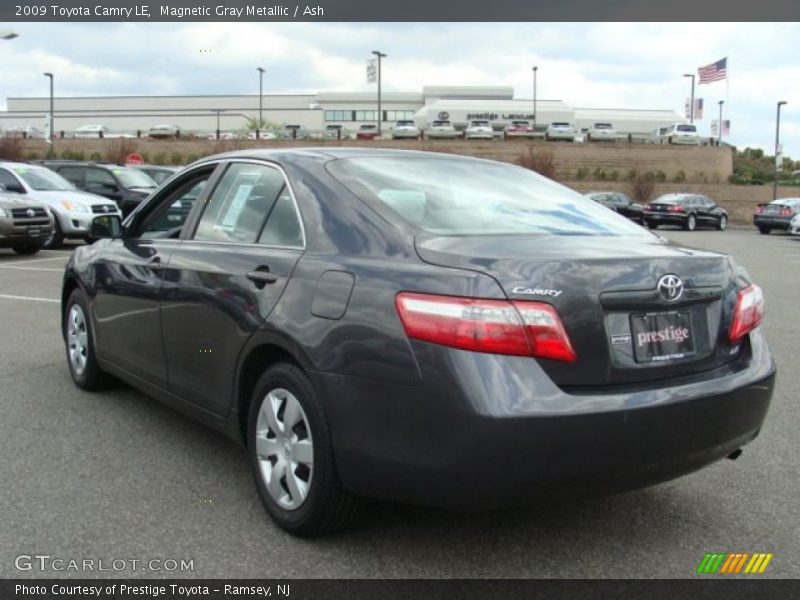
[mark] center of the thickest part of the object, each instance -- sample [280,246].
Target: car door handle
[262,276]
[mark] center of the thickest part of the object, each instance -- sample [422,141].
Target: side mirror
[107,226]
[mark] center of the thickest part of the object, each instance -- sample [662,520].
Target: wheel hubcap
[284,448]
[77,339]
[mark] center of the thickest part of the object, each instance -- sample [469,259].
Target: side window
[73,174]
[283,225]
[239,205]
[99,178]
[8,180]
[167,220]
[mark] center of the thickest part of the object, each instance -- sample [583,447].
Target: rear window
[405,123]
[441,123]
[560,124]
[671,199]
[480,123]
[793,202]
[602,126]
[523,123]
[691,128]
[454,196]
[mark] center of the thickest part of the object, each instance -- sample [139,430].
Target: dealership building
[314,112]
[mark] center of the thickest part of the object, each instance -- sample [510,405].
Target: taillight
[747,313]
[786,212]
[759,210]
[491,326]
[648,207]
[676,208]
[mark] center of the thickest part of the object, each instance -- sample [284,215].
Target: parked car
[126,186]
[225,135]
[441,129]
[335,132]
[778,214]
[25,223]
[682,133]
[294,132]
[794,225]
[73,210]
[479,130]
[263,134]
[620,203]
[687,210]
[92,131]
[367,131]
[379,353]
[26,131]
[659,135]
[601,132]
[158,173]
[165,131]
[405,129]
[560,131]
[519,128]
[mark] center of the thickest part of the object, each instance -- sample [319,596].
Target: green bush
[614,176]
[176,158]
[582,173]
[32,156]
[160,158]
[680,177]
[190,158]
[146,157]
[599,174]
[96,157]
[660,176]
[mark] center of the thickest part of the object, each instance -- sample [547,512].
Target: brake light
[747,313]
[676,208]
[759,210]
[786,212]
[491,326]
[648,207]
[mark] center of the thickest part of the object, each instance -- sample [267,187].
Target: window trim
[225,164]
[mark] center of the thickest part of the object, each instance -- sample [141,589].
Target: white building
[459,104]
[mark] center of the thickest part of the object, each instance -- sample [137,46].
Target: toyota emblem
[670,287]
[30,212]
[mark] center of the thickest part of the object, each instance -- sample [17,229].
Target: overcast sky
[600,65]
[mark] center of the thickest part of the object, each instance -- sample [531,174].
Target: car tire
[652,225]
[691,223]
[27,249]
[669,141]
[722,224]
[56,237]
[764,230]
[306,499]
[79,345]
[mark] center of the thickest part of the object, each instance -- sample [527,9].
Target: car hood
[70,195]
[18,201]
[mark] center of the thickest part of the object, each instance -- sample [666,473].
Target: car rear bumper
[773,222]
[665,218]
[484,431]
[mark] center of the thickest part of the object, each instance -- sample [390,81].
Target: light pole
[260,101]
[5,34]
[50,138]
[218,111]
[719,124]
[777,145]
[691,99]
[380,55]
[535,69]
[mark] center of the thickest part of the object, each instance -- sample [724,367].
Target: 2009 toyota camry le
[424,328]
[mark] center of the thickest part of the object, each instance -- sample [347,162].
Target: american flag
[714,72]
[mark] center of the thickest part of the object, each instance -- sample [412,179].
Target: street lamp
[535,69]
[52,122]
[380,55]
[691,100]
[8,35]
[777,145]
[719,124]
[260,100]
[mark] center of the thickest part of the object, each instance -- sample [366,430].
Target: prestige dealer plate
[660,336]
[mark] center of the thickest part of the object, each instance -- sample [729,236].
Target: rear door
[75,175]
[224,279]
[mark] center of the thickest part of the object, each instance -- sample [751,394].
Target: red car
[367,132]
[519,129]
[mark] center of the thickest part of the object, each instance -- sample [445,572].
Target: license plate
[662,336]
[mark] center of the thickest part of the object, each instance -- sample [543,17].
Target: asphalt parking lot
[115,475]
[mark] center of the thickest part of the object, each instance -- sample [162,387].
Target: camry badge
[670,287]
[536,292]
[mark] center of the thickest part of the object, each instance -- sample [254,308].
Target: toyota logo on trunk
[670,287]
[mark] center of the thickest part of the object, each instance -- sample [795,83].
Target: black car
[419,327]
[621,203]
[778,214]
[157,173]
[124,185]
[687,210]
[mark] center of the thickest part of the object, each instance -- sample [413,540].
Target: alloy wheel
[77,339]
[284,448]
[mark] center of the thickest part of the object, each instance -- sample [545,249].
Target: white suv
[405,130]
[602,132]
[72,209]
[479,130]
[560,131]
[682,133]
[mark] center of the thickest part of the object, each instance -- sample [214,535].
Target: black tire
[56,238]
[691,223]
[652,225]
[764,230]
[27,249]
[328,507]
[93,377]
[722,223]
[669,141]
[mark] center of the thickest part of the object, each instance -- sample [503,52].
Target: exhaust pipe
[735,454]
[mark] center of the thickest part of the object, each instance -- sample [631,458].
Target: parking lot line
[35,299]
[30,269]
[25,262]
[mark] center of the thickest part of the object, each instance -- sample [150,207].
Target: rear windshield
[602,126]
[520,123]
[560,124]
[687,128]
[131,178]
[458,196]
[793,202]
[671,199]
[480,123]
[406,123]
[441,123]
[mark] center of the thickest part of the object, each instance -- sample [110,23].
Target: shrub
[660,176]
[642,187]
[540,161]
[160,158]
[190,158]
[96,157]
[119,149]
[599,174]
[176,158]
[32,155]
[11,148]
[582,173]
[680,177]
[145,157]
[614,175]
